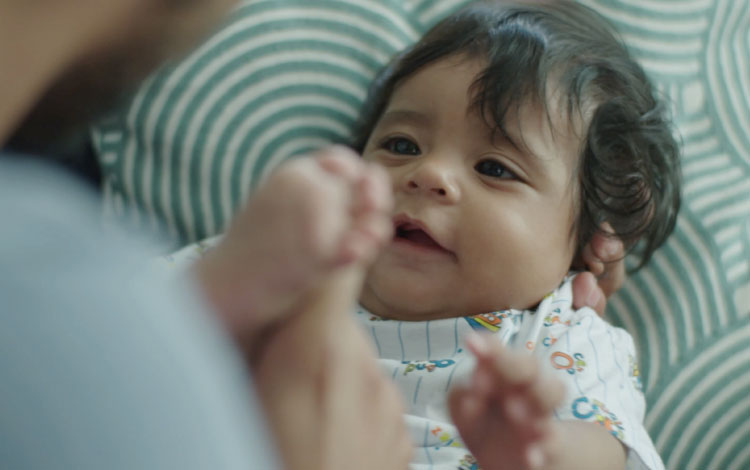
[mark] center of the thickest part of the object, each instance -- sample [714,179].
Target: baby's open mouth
[412,233]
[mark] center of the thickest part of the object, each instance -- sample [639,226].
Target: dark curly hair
[628,171]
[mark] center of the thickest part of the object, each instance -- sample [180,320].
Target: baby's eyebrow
[405,116]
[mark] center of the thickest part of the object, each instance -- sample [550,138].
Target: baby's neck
[396,311]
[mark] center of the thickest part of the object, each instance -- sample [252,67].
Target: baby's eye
[401,146]
[494,169]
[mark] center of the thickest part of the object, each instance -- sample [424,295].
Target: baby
[511,133]
[514,135]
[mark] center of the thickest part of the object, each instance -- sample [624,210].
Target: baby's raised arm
[506,417]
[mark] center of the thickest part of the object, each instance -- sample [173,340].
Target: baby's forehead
[540,122]
[508,106]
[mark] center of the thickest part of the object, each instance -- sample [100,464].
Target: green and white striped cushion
[691,307]
[283,77]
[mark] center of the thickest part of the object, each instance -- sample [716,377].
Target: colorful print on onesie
[595,360]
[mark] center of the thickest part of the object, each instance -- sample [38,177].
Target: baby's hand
[505,416]
[312,216]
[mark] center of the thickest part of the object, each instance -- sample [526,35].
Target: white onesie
[595,360]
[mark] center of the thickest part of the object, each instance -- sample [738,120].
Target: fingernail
[592,299]
[535,457]
[477,344]
[613,248]
[481,382]
[516,409]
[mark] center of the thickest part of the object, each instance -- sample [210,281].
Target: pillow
[283,77]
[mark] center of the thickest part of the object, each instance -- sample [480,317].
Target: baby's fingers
[515,379]
[340,161]
[546,394]
[502,366]
[470,414]
[465,406]
[495,439]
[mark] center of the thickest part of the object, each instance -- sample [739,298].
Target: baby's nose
[433,180]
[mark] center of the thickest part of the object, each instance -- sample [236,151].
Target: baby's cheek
[550,269]
[536,270]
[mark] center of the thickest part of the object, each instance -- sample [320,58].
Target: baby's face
[479,225]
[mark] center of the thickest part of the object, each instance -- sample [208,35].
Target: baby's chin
[406,314]
[404,306]
[400,304]
[408,307]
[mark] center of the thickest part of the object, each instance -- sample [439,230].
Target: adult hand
[604,260]
[310,217]
[285,280]
[328,403]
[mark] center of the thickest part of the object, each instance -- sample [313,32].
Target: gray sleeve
[103,363]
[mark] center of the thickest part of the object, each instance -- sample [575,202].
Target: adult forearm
[583,446]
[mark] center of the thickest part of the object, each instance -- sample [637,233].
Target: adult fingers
[610,252]
[587,293]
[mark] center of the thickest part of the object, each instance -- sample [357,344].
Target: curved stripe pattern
[201,134]
[694,296]
[284,77]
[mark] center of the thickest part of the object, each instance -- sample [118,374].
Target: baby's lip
[417,233]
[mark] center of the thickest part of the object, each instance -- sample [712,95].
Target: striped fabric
[283,77]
